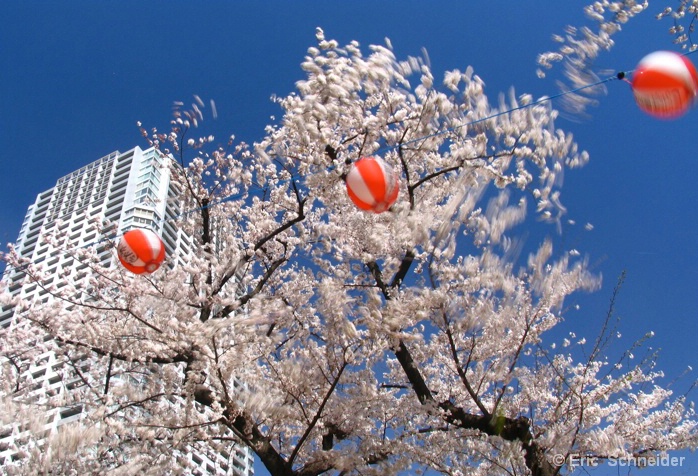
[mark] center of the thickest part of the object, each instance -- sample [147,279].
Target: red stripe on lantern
[665,84]
[372,184]
[141,251]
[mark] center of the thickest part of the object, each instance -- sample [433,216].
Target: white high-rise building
[129,190]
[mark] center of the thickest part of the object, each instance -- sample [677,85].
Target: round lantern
[372,184]
[141,251]
[665,84]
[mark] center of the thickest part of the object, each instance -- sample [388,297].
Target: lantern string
[544,99]
[541,100]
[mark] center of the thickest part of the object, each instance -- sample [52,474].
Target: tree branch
[206,241]
[108,377]
[318,414]
[378,276]
[403,270]
[260,285]
[460,369]
[508,428]
[251,435]
[105,353]
[259,245]
[413,374]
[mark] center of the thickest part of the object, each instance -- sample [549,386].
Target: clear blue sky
[76,76]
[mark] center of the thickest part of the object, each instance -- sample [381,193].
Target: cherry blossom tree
[333,340]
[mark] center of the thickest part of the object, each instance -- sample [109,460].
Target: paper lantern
[141,251]
[372,184]
[665,84]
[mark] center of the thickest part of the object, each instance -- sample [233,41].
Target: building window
[70,412]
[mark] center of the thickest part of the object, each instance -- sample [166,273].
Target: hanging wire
[544,99]
[621,76]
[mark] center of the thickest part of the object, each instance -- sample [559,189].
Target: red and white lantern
[141,251]
[665,84]
[372,184]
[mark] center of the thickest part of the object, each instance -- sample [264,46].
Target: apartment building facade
[119,191]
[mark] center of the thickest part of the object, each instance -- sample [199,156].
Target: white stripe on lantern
[668,63]
[359,187]
[153,243]
[390,180]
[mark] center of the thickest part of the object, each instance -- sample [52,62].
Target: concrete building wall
[92,207]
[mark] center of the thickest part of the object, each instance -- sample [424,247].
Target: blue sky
[75,77]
